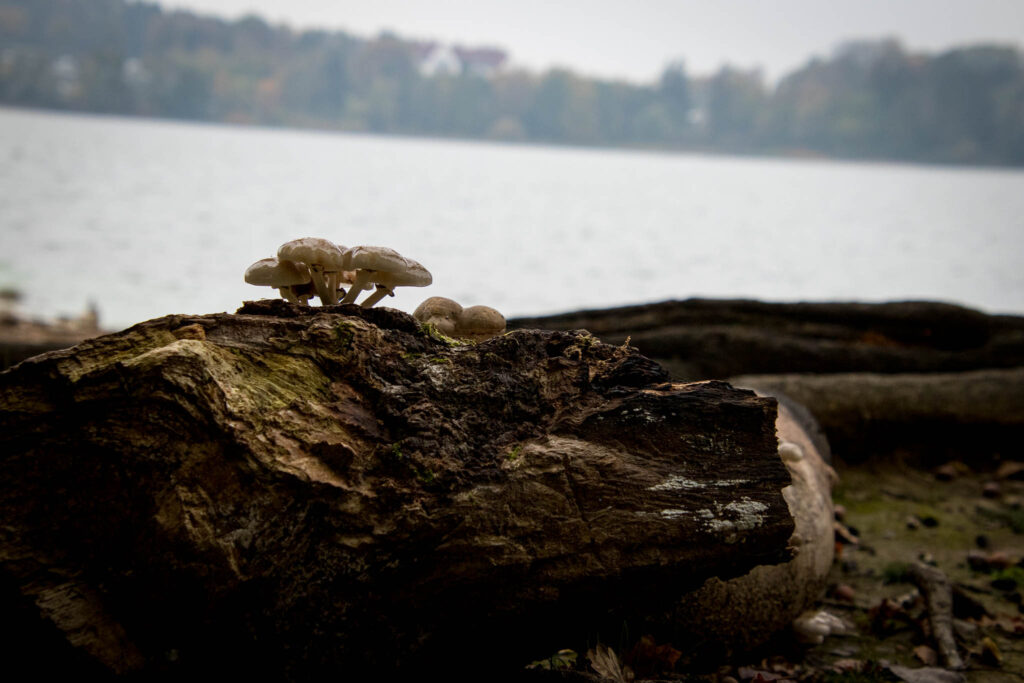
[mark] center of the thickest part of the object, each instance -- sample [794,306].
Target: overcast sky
[635,39]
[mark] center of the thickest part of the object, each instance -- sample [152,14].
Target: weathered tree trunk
[717,339]
[294,491]
[937,416]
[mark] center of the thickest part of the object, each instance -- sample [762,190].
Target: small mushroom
[812,628]
[324,258]
[479,323]
[286,275]
[440,312]
[387,269]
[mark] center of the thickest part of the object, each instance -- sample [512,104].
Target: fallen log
[975,416]
[292,491]
[768,599]
[716,339]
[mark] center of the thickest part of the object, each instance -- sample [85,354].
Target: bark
[292,491]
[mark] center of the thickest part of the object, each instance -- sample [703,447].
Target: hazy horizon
[636,42]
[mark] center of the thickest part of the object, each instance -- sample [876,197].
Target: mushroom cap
[479,323]
[441,312]
[437,306]
[390,268]
[274,272]
[315,251]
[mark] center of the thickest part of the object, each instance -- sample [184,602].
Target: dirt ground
[966,523]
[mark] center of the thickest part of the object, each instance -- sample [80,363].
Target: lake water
[147,218]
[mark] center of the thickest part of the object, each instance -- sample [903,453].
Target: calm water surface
[146,218]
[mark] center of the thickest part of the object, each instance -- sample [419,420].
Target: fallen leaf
[1010,470]
[927,655]
[605,662]
[848,665]
[888,617]
[990,653]
[779,665]
[647,657]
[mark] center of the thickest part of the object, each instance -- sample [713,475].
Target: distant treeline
[870,99]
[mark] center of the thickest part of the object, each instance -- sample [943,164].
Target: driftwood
[298,491]
[717,339]
[938,416]
[928,379]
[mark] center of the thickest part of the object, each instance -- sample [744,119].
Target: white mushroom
[387,269]
[479,323]
[324,258]
[283,274]
[440,312]
[812,628]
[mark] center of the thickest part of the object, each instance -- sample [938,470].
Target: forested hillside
[869,99]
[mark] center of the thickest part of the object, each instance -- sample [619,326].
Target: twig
[938,595]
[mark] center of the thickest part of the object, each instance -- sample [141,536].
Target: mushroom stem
[289,294]
[362,277]
[332,286]
[382,291]
[319,282]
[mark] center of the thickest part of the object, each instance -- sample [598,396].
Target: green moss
[344,333]
[896,572]
[1010,574]
[563,660]
[1014,519]
[396,451]
[431,331]
[514,453]
[425,476]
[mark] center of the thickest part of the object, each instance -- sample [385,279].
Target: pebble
[844,592]
[979,561]
[1011,470]
[991,489]
[999,560]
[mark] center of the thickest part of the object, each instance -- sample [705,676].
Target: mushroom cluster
[476,323]
[312,266]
